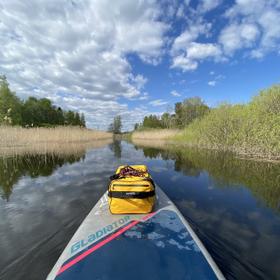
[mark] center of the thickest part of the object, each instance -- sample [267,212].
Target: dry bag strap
[152,181]
[115,194]
[128,171]
[114,177]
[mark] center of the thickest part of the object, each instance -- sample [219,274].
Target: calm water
[233,205]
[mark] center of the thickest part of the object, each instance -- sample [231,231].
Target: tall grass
[154,134]
[155,137]
[252,129]
[59,140]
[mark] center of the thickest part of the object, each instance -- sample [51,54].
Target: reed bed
[147,143]
[155,134]
[58,140]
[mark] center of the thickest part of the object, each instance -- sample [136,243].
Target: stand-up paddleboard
[159,245]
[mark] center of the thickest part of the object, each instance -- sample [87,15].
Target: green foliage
[116,125]
[10,105]
[69,117]
[83,120]
[189,110]
[168,120]
[33,112]
[268,101]
[152,121]
[185,112]
[252,128]
[136,126]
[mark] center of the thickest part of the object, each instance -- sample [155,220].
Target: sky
[138,57]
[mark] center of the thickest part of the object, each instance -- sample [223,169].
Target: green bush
[252,128]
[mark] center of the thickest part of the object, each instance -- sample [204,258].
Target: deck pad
[159,248]
[160,245]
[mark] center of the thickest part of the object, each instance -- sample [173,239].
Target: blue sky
[139,57]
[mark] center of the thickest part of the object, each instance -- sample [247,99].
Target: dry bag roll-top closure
[131,190]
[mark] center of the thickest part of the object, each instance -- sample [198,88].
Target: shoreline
[159,142]
[58,140]
[241,155]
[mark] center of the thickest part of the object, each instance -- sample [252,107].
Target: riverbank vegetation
[154,134]
[158,137]
[252,129]
[36,126]
[33,112]
[41,140]
[185,112]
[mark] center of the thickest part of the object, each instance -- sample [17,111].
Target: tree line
[252,128]
[33,112]
[116,126]
[185,112]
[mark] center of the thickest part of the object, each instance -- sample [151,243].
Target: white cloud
[252,26]
[219,77]
[246,7]
[208,5]
[212,83]
[189,35]
[270,22]
[175,93]
[264,18]
[145,96]
[158,102]
[184,63]
[194,53]
[215,79]
[180,12]
[139,81]
[235,37]
[257,54]
[75,53]
[201,51]
[183,40]
[186,52]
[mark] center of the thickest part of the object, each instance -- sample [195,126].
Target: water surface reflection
[13,168]
[232,204]
[262,178]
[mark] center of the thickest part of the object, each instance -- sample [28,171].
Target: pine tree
[83,121]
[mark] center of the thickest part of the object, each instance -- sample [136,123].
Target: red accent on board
[103,242]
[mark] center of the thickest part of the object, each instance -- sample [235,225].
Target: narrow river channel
[232,204]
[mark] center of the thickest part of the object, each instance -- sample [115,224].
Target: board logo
[98,234]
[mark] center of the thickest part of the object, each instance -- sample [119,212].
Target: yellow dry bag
[131,190]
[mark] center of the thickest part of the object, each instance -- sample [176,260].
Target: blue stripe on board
[160,248]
